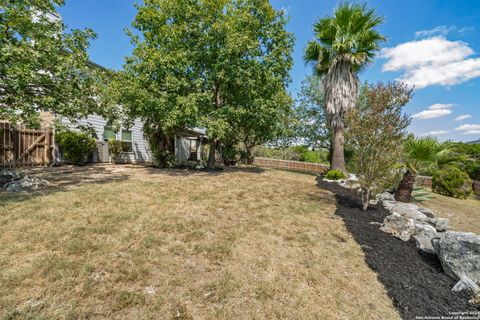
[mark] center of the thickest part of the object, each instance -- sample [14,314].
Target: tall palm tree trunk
[338,157]
[405,189]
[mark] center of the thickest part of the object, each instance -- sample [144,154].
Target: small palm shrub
[75,146]
[335,175]
[452,182]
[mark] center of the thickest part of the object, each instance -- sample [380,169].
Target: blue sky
[433,44]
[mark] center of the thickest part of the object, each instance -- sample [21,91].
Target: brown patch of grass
[464,214]
[177,245]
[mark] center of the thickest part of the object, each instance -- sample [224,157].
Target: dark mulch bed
[414,280]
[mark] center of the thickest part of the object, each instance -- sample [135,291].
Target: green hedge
[452,182]
[75,146]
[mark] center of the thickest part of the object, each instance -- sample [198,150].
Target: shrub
[76,146]
[452,182]
[472,168]
[335,175]
[229,153]
[116,147]
[375,132]
[311,156]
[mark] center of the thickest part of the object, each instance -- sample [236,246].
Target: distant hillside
[474,142]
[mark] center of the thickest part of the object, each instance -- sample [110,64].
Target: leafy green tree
[43,67]
[420,152]
[346,42]
[261,122]
[199,62]
[309,115]
[376,128]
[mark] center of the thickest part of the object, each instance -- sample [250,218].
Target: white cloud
[439,30]
[476,132]
[462,117]
[436,133]
[467,127]
[439,106]
[434,111]
[432,61]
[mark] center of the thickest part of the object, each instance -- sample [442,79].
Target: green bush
[335,175]
[116,147]
[75,146]
[452,182]
[312,156]
[472,168]
[229,152]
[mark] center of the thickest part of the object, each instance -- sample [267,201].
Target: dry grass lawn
[464,214]
[139,243]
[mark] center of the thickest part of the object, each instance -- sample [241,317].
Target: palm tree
[345,43]
[420,152]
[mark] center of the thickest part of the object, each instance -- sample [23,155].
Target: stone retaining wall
[291,165]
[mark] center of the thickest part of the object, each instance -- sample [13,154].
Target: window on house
[127,137]
[109,134]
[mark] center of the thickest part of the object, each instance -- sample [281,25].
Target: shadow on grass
[187,171]
[414,281]
[63,178]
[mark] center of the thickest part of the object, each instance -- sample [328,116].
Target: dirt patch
[415,281]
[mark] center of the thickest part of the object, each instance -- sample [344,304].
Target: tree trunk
[211,154]
[164,148]
[365,198]
[405,189]
[338,157]
[248,152]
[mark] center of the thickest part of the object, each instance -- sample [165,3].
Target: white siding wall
[141,150]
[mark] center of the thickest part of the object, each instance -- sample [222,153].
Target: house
[188,143]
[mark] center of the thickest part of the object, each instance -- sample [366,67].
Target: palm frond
[426,151]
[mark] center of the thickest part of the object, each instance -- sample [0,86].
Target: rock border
[458,252]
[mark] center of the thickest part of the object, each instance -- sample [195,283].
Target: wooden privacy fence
[22,147]
[291,165]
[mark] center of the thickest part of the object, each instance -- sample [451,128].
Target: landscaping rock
[466,283]
[423,236]
[387,204]
[25,184]
[385,196]
[399,226]
[440,224]
[408,210]
[8,176]
[429,213]
[459,254]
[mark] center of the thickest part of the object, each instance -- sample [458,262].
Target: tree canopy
[310,122]
[206,63]
[42,66]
